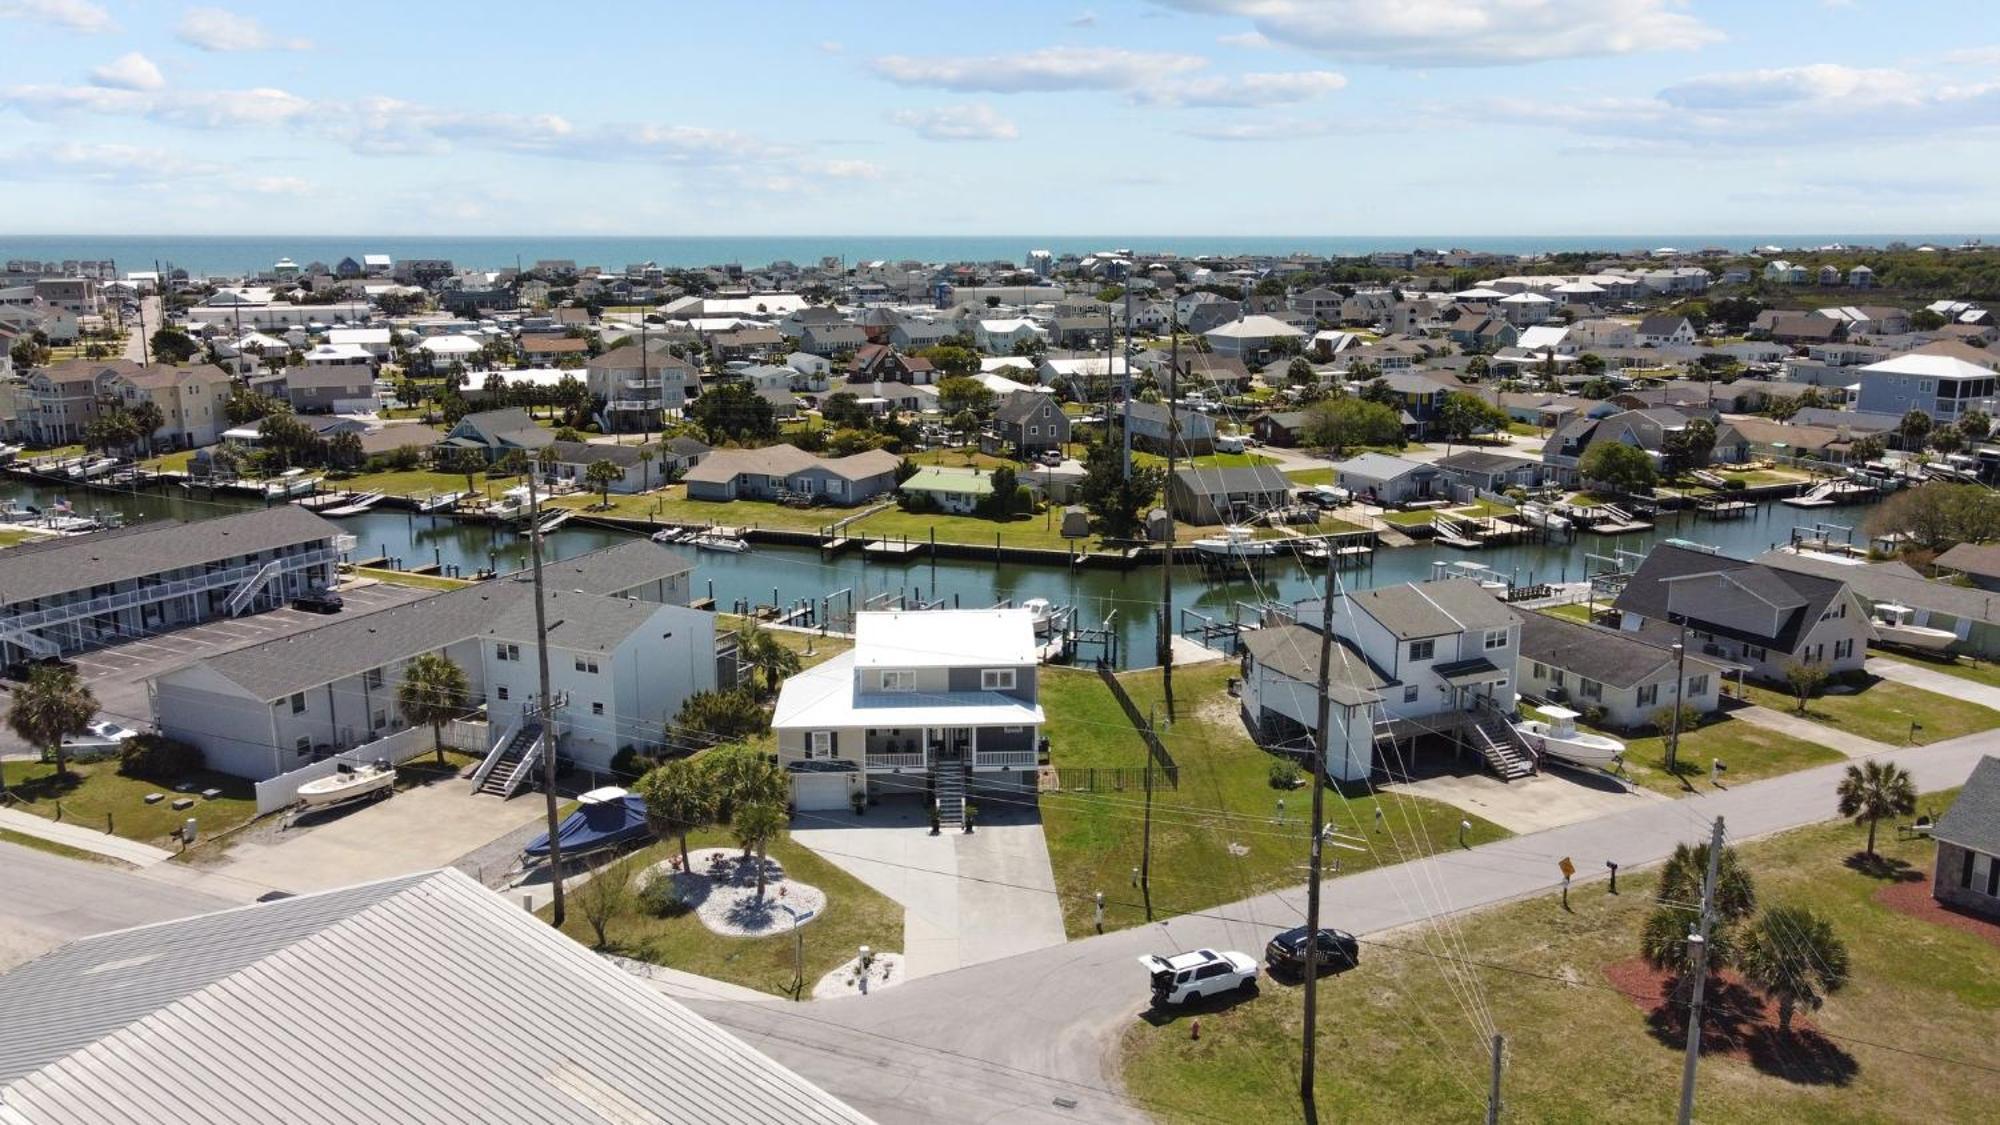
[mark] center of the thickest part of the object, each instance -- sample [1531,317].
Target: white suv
[1204,972]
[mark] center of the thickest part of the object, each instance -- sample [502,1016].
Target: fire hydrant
[1194,1028]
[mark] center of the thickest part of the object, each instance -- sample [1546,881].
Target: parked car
[1204,972]
[1338,951]
[322,601]
[100,739]
[1053,458]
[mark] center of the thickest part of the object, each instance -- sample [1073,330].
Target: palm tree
[147,418]
[1794,957]
[1663,942]
[680,797]
[1873,790]
[756,825]
[50,706]
[741,777]
[762,650]
[646,456]
[432,693]
[602,475]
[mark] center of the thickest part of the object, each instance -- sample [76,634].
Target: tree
[1793,956]
[1377,389]
[1299,372]
[1868,447]
[1114,501]
[958,392]
[707,718]
[1687,448]
[1591,364]
[1805,678]
[244,407]
[603,897]
[1947,439]
[52,705]
[843,409]
[1927,320]
[1463,415]
[1336,424]
[755,825]
[951,359]
[1006,493]
[1937,515]
[1617,466]
[171,345]
[344,451]
[733,412]
[147,418]
[1975,425]
[433,693]
[646,459]
[680,797]
[1663,942]
[601,475]
[1873,790]
[761,649]
[1914,428]
[742,776]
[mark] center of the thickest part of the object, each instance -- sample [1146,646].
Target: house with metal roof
[1967,874]
[778,472]
[424,997]
[1387,480]
[1760,616]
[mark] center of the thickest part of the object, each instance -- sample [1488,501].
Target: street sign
[1568,868]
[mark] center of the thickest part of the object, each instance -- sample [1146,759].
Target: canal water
[1127,599]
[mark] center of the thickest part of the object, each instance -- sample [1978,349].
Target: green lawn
[420,482]
[1756,478]
[1751,752]
[9,536]
[1965,667]
[854,916]
[1395,1044]
[1217,837]
[400,578]
[97,788]
[1310,476]
[671,505]
[171,462]
[22,839]
[1574,611]
[1883,710]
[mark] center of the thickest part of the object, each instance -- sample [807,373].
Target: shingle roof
[1645,593]
[1605,655]
[1293,651]
[1982,559]
[1894,582]
[58,566]
[576,622]
[588,452]
[611,570]
[1433,609]
[1221,482]
[1973,820]
[331,1008]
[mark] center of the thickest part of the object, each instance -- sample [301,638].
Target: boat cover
[595,826]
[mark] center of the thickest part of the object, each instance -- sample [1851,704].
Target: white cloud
[1258,131]
[1821,83]
[1248,91]
[831,47]
[1086,18]
[1467,32]
[215,29]
[71,15]
[1251,40]
[1051,68]
[117,165]
[956,123]
[132,71]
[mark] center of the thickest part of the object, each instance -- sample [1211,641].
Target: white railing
[249,590]
[162,591]
[525,768]
[494,752]
[283,790]
[895,761]
[1003,759]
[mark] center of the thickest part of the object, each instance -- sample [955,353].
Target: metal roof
[422,998]
[60,566]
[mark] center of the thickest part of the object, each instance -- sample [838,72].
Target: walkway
[1916,675]
[83,839]
[1804,729]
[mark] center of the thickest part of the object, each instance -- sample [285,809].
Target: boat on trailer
[605,818]
[1554,735]
[349,783]
[1895,625]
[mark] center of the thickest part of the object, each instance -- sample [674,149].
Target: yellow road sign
[1568,868]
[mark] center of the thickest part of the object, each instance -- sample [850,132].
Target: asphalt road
[52,899]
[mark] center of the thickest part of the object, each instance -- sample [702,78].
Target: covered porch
[993,747]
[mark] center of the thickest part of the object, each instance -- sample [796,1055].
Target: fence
[1111,779]
[1143,725]
[283,790]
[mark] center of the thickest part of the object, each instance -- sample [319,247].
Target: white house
[1001,337]
[1251,338]
[1627,677]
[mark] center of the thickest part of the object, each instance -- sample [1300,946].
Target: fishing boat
[439,502]
[1895,625]
[605,818]
[93,467]
[716,541]
[1235,540]
[349,783]
[1040,612]
[291,482]
[355,505]
[671,535]
[1542,516]
[1555,735]
[1463,568]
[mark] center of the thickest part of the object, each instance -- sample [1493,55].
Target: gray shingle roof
[1293,651]
[1433,609]
[1222,482]
[1646,592]
[1605,655]
[332,1008]
[577,622]
[1973,820]
[611,570]
[59,566]
[589,452]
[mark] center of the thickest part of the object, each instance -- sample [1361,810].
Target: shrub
[629,763]
[1285,774]
[1735,484]
[1593,715]
[158,757]
[659,898]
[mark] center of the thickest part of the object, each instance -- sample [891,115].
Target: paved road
[1045,1024]
[52,899]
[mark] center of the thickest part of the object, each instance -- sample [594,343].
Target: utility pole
[1700,941]
[1167,548]
[1310,1046]
[1146,839]
[1126,378]
[547,700]
[1493,1090]
[1680,682]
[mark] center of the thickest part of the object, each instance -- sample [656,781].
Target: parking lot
[117,674]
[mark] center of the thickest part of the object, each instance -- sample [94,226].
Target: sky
[1210,117]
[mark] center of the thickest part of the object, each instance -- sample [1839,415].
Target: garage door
[820,790]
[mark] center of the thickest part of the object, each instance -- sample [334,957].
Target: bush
[1735,484]
[158,757]
[659,898]
[1285,774]
[629,764]
[1593,716]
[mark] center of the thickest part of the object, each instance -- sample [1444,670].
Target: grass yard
[419,482]
[969,457]
[1394,1044]
[1883,710]
[1310,476]
[170,462]
[401,578]
[1574,611]
[98,788]
[854,916]
[1217,837]
[1757,478]
[671,505]
[22,839]
[1966,668]
[1751,752]
[9,536]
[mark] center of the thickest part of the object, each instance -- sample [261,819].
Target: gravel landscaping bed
[722,891]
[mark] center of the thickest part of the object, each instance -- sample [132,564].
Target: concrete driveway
[418,829]
[1557,796]
[966,899]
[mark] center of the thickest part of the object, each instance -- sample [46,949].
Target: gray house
[573,460]
[1968,845]
[1031,421]
[783,472]
[1386,480]
[1211,496]
[1747,613]
[1149,423]
[1489,472]
[1591,666]
[498,432]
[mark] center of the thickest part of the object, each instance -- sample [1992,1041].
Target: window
[597,708]
[304,745]
[899,681]
[1422,650]
[1034,431]
[507,652]
[1698,685]
[1589,689]
[1559,678]
[1496,638]
[372,678]
[1541,672]
[379,720]
[819,744]
[1410,694]
[500,692]
[1843,649]
[587,664]
[298,703]
[1649,695]
[996,679]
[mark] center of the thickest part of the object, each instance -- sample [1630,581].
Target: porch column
[975,747]
[926,732]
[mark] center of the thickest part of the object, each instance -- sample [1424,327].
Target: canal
[1128,599]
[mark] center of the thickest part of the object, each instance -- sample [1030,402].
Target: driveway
[418,829]
[966,899]
[1557,796]
[1916,675]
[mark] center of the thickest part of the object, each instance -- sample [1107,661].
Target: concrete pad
[1555,797]
[1805,730]
[1929,679]
[416,830]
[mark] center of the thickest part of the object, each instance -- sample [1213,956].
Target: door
[819,791]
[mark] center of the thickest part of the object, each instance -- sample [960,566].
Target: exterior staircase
[950,793]
[516,761]
[246,593]
[1496,741]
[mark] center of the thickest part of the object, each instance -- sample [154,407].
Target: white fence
[283,790]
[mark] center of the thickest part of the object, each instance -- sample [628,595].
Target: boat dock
[1724,509]
[900,549]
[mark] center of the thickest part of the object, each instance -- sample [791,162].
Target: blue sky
[1252,117]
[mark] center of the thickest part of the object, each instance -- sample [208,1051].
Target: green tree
[1006,493]
[1947,439]
[743,776]
[1299,372]
[172,345]
[147,418]
[1339,424]
[344,451]
[1804,677]
[761,649]
[1927,320]
[1937,515]
[958,392]
[1975,425]
[1114,501]
[433,692]
[1866,448]
[1617,466]
[1914,428]
[733,412]
[951,359]
[707,718]
[1689,447]
[1874,790]
[680,797]
[843,410]
[1793,956]
[601,475]
[646,459]
[1663,941]
[755,825]
[1590,363]
[1463,415]
[51,706]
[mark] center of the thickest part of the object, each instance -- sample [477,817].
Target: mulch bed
[1914,899]
[1737,1022]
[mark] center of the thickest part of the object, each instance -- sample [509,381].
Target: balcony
[1004,759]
[148,593]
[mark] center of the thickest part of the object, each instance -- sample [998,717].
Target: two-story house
[636,385]
[931,702]
[1747,613]
[190,401]
[1029,422]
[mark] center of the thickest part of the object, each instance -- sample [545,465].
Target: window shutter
[1965,872]
[833,744]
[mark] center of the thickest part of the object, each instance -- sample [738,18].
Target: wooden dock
[1724,509]
[892,548]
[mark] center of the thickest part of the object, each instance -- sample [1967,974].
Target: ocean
[233,255]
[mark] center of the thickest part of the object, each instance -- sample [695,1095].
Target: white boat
[1040,612]
[1555,735]
[1541,515]
[439,501]
[1893,625]
[670,535]
[349,783]
[291,482]
[1465,568]
[1236,540]
[355,505]
[95,467]
[711,541]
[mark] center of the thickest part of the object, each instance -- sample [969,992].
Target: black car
[1338,951]
[323,601]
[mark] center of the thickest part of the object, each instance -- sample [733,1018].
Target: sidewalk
[1918,676]
[83,839]
[1805,730]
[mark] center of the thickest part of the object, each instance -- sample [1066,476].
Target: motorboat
[349,783]
[1472,571]
[1555,735]
[1895,625]
[291,482]
[605,818]
[1542,516]
[715,541]
[1236,540]
[440,502]
[670,535]
[1040,612]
